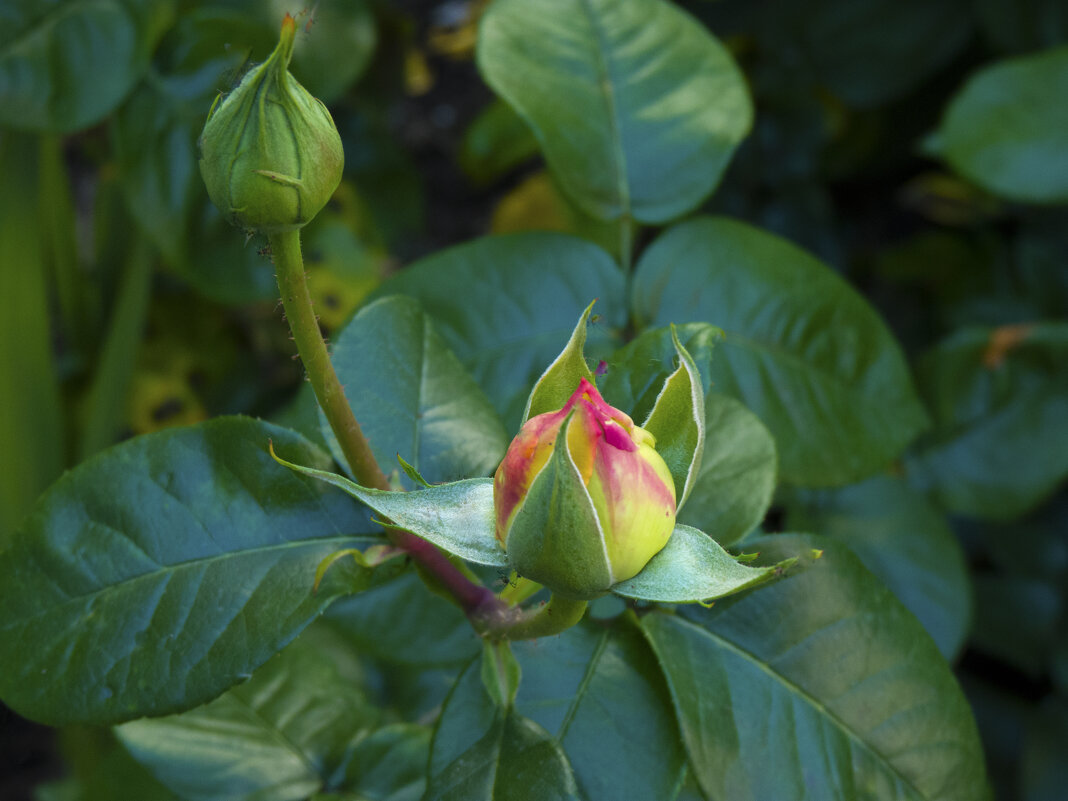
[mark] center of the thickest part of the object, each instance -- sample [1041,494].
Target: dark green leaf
[1007,130]
[515,760]
[64,64]
[155,134]
[164,570]
[1023,25]
[803,350]
[873,51]
[999,399]
[412,396]
[904,540]
[280,736]
[1034,546]
[1044,770]
[390,765]
[404,622]
[507,304]
[738,470]
[822,681]
[1017,620]
[457,517]
[301,414]
[693,567]
[636,106]
[480,753]
[495,142]
[599,693]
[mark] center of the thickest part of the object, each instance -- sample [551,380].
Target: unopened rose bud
[582,498]
[270,154]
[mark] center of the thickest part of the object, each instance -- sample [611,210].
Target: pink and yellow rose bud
[582,498]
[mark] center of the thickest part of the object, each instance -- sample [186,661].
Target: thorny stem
[300,313]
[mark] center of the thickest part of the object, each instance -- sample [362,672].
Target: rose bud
[269,154]
[582,498]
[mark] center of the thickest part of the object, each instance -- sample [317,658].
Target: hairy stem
[300,313]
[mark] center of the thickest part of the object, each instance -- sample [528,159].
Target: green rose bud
[270,154]
[582,498]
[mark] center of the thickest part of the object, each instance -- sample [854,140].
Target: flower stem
[519,589]
[558,615]
[300,313]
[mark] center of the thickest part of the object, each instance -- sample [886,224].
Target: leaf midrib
[801,693]
[188,563]
[607,83]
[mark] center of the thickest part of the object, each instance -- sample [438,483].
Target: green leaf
[803,350]
[154,135]
[561,378]
[1007,129]
[822,680]
[999,399]
[480,753]
[495,142]
[404,622]
[1044,768]
[1018,621]
[596,691]
[457,517]
[280,736]
[31,455]
[734,487]
[500,672]
[66,65]
[636,106]
[162,571]
[521,295]
[870,52]
[1023,25]
[515,759]
[390,764]
[905,541]
[677,421]
[412,396]
[692,567]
